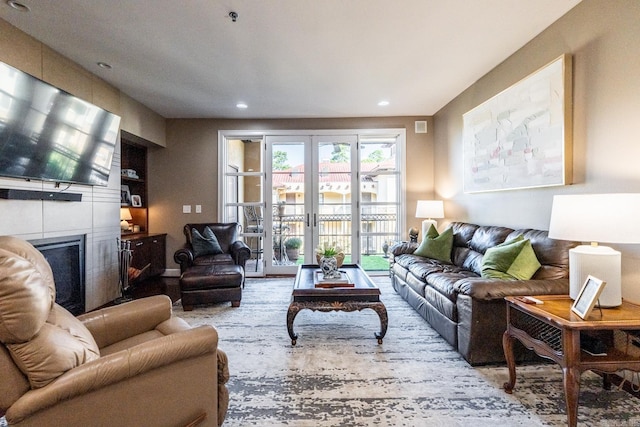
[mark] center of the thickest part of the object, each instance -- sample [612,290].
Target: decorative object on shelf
[136,201]
[606,218]
[429,209]
[521,138]
[125,217]
[413,234]
[125,196]
[129,173]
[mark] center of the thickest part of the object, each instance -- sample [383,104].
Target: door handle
[307,220]
[315,220]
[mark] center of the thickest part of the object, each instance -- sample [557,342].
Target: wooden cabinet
[133,180]
[149,255]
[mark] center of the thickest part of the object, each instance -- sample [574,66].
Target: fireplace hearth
[66,256]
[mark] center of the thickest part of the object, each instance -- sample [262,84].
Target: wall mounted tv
[50,135]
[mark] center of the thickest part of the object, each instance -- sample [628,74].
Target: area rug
[338,375]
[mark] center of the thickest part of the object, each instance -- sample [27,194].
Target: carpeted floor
[337,374]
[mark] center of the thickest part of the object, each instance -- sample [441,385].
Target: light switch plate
[198,208]
[186,208]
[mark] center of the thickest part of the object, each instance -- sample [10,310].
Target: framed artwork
[588,296]
[125,196]
[136,201]
[522,137]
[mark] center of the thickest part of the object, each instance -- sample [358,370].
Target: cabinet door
[157,254]
[141,256]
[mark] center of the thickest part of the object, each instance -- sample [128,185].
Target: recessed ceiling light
[104,65]
[18,6]
[383,103]
[242,105]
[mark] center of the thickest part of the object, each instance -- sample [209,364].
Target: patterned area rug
[338,375]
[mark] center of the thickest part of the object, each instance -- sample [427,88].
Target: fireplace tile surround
[96,217]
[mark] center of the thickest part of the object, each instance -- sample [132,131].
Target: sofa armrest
[184,257]
[401,248]
[491,289]
[117,367]
[240,252]
[113,324]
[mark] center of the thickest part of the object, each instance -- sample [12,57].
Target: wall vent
[421,126]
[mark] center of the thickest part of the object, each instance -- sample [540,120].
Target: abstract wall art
[521,138]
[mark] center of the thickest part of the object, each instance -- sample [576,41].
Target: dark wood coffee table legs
[326,306]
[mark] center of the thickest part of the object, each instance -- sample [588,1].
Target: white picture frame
[522,137]
[136,201]
[125,195]
[588,296]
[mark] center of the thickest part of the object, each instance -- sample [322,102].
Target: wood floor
[157,286]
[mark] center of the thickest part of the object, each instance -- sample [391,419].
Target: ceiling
[288,58]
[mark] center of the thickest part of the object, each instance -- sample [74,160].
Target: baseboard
[171,272]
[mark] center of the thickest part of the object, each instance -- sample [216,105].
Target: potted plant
[330,258]
[292,246]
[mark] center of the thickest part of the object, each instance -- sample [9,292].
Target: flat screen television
[50,135]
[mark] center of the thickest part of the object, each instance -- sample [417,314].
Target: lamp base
[426,224]
[602,262]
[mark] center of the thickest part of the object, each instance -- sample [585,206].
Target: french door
[298,191]
[311,180]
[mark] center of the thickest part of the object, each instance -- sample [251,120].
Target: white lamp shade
[125,214]
[430,209]
[605,218]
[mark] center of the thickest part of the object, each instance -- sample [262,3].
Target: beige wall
[185,173]
[97,215]
[603,37]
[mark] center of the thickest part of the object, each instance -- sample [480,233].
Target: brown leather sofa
[467,310]
[128,365]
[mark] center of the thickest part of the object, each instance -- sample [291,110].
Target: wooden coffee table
[363,294]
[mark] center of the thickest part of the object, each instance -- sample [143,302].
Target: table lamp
[125,217]
[596,218]
[429,209]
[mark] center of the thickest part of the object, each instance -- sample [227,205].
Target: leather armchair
[127,365]
[235,251]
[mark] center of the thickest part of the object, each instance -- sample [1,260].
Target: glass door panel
[380,199]
[334,206]
[287,180]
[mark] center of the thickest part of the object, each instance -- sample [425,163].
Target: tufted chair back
[40,339]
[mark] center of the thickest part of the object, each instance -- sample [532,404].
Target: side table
[553,331]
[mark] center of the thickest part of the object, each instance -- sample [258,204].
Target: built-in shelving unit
[134,179]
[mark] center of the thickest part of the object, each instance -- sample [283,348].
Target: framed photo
[136,201]
[588,296]
[125,196]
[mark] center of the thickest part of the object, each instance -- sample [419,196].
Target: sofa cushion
[205,243]
[438,247]
[512,260]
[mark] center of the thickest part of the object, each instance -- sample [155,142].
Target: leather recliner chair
[128,365]
[234,251]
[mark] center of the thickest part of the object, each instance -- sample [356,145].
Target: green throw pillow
[512,260]
[205,243]
[436,246]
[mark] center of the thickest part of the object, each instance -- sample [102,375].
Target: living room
[601,37]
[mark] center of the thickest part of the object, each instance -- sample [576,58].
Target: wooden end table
[553,331]
[363,294]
